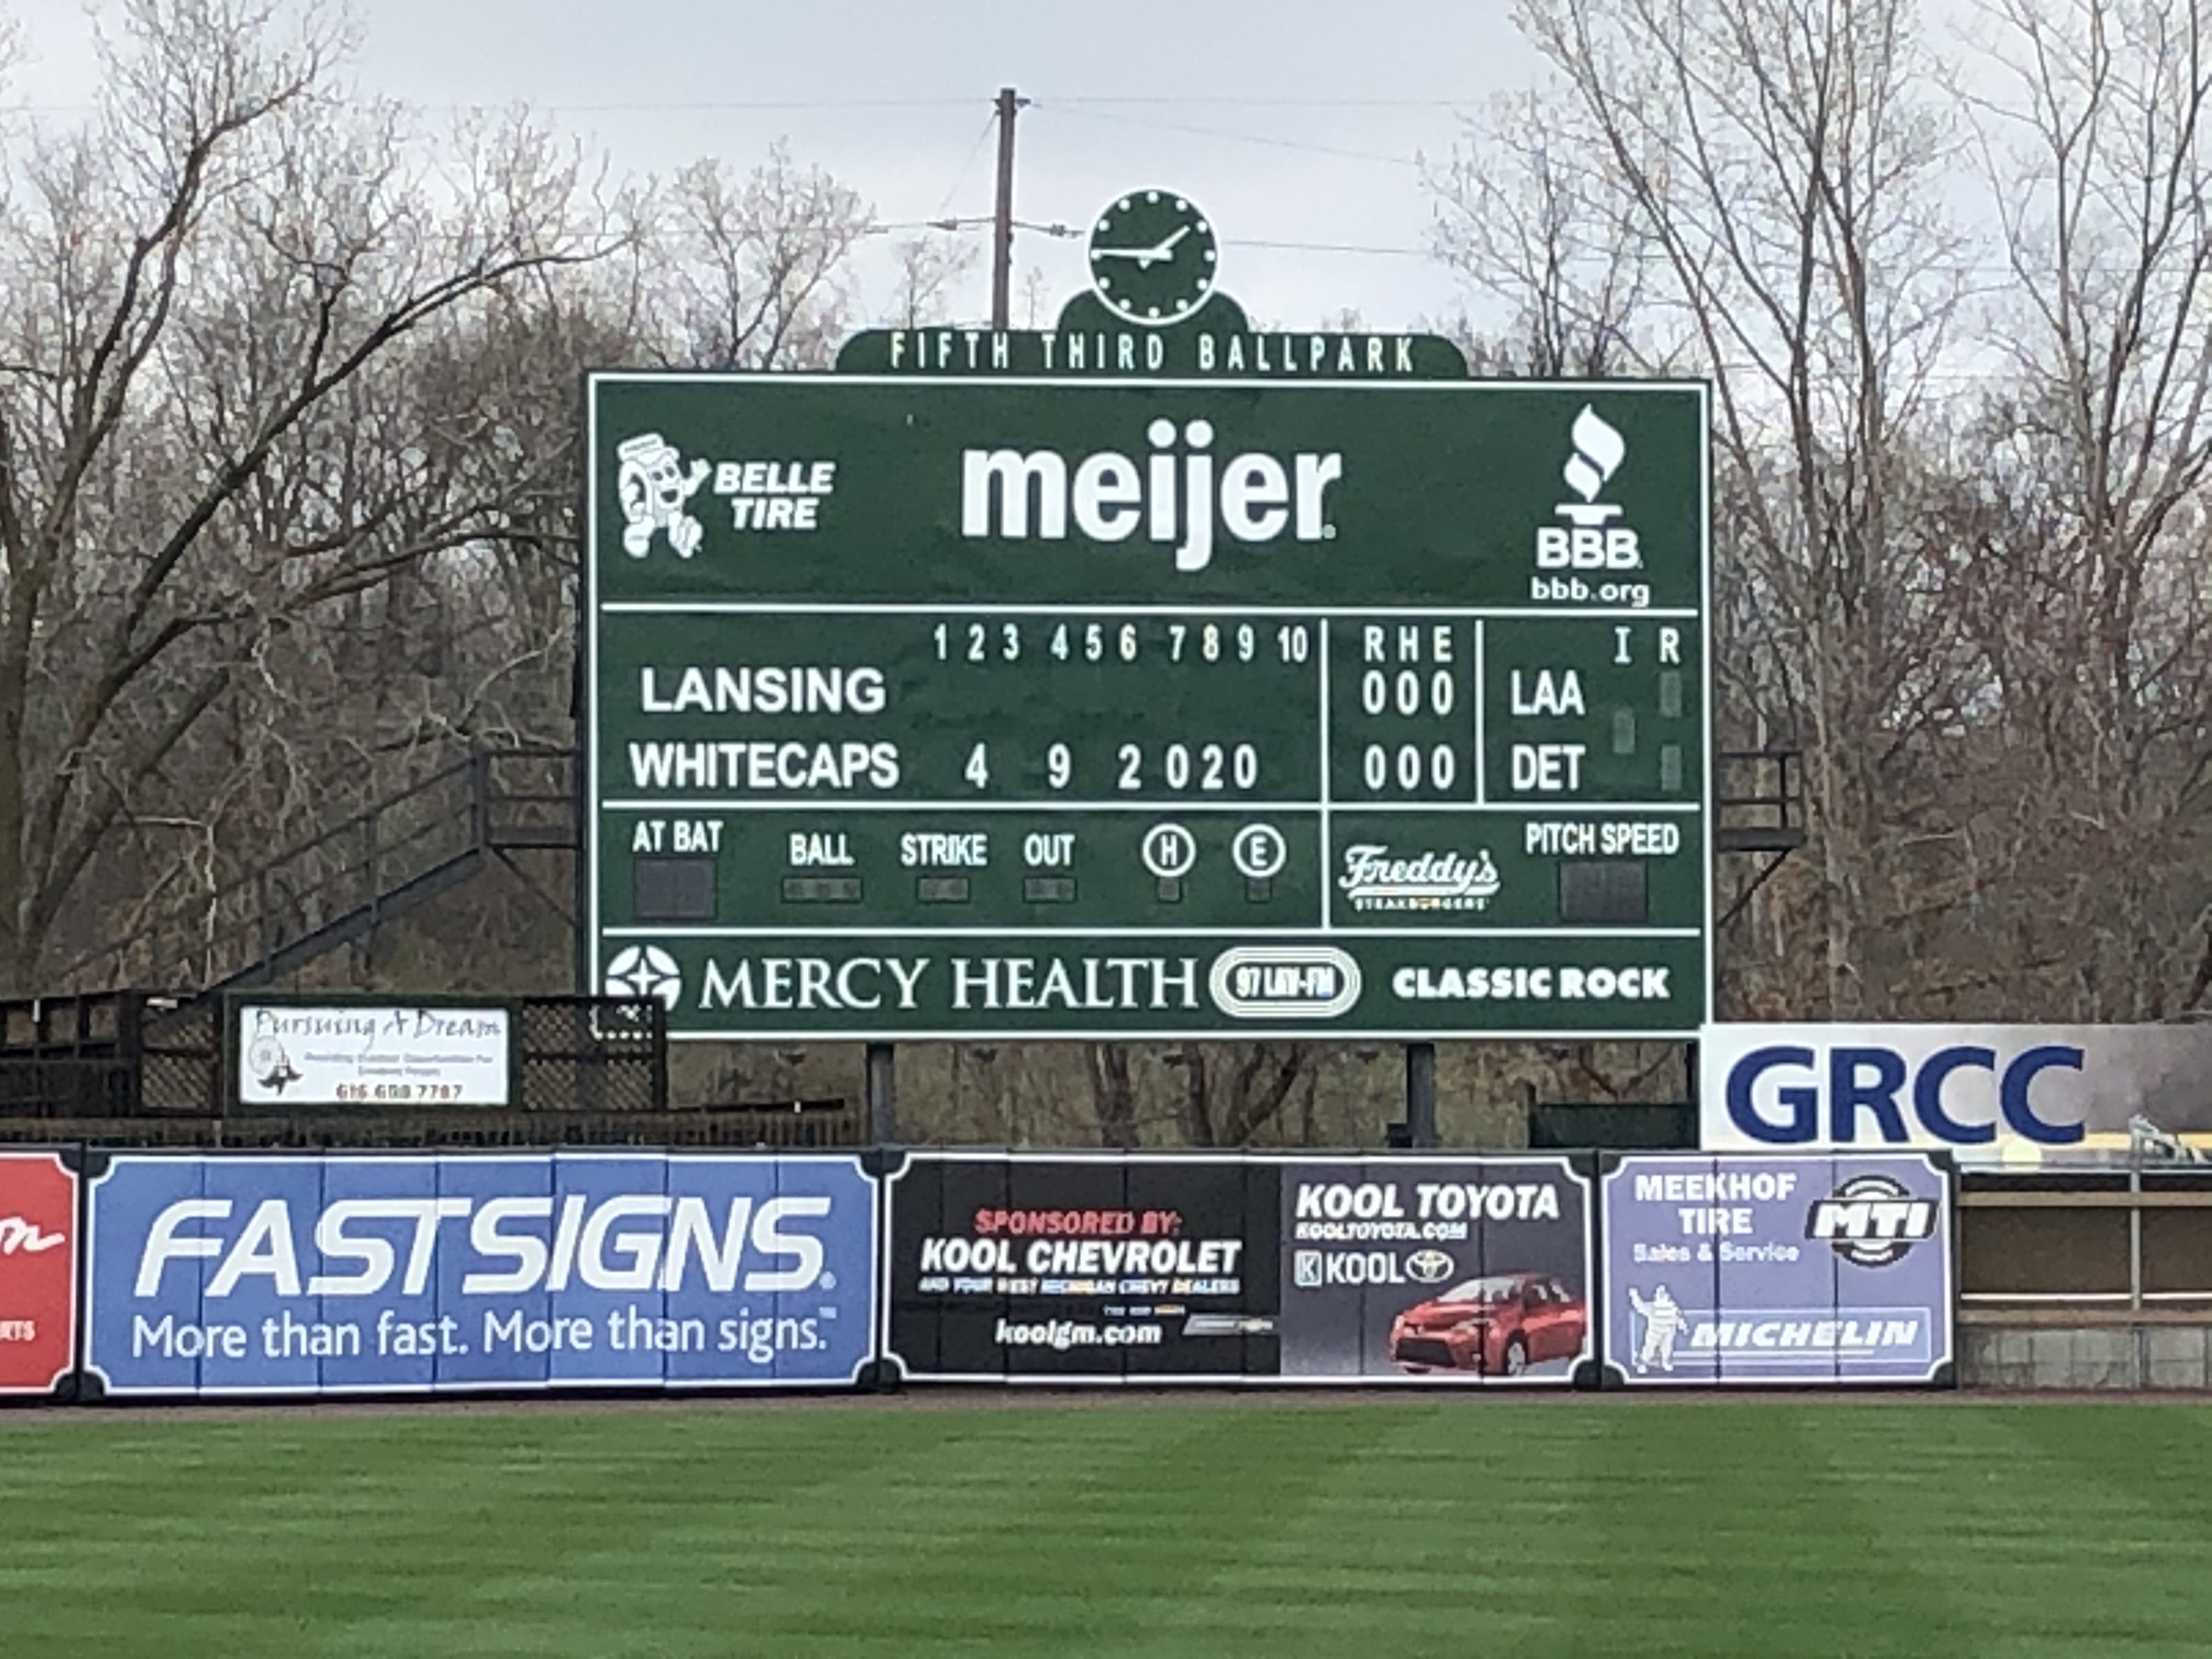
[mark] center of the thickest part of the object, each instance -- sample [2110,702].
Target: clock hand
[1142,255]
[1152,256]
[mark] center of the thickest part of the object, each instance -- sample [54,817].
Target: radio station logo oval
[1284,981]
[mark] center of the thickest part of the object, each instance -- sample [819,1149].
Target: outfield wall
[167,1275]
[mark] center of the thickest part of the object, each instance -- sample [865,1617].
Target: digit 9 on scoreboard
[1113,708]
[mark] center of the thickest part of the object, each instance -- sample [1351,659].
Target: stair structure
[338,887]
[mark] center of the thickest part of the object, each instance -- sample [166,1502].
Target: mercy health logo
[1373,880]
[644,970]
[38,1272]
[308,1274]
[1177,494]
[654,485]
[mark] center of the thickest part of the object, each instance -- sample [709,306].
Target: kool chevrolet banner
[1214,1267]
[287,1274]
[1997,1097]
[1762,1269]
[37,1271]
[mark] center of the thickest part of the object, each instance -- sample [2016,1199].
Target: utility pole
[1002,217]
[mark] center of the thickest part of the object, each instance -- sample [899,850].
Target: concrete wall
[2115,1357]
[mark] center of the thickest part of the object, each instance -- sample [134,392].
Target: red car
[1498,1327]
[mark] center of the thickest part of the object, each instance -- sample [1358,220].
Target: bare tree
[928,266]
[208,283]
[747,272]
[1544,231]
[1235,1094]
[2097,149]
[1760,177]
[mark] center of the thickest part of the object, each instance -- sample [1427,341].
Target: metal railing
[338,886]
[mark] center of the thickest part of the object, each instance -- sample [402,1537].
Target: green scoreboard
[954,700]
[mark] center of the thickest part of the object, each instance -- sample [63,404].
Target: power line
[712,106]
[974,150]
[739,105]
[1061,230]
[1225,132]
[1330,248]
[1279,103]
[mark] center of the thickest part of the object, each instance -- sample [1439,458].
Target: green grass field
[1421,1528]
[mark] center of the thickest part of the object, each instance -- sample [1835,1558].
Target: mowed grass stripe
[1411,1527]
[1714,1529]
[2058,1531]
[495,1532]
[1041,1529]
[1145,1529]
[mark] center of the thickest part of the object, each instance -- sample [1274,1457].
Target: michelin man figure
[1663,1322]
[653,488]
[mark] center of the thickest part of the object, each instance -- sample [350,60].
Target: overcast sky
[1287,120]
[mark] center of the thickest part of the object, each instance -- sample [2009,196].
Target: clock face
[1152,256]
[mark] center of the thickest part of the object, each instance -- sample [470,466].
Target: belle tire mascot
[654,487]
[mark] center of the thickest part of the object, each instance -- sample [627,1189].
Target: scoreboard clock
[1153,258]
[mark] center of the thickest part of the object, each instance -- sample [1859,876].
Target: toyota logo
[1429,1266]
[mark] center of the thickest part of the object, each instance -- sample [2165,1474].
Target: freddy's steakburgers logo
[1373,880]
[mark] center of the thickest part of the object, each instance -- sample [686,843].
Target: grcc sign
[1845,1088]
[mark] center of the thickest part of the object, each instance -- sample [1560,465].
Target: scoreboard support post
[1421,1094]
[878,1087]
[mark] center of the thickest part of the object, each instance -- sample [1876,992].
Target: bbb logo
[1589,540]
[1862,1094]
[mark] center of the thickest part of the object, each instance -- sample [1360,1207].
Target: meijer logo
[1253,498]
[1589,541]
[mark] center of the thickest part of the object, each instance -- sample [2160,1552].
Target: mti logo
[1872,1221]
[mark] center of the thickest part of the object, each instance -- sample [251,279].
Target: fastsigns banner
[1765,1270]
[1198,1267]
[285,1274]
[354,1054]
[1998,1098]
[37,1271]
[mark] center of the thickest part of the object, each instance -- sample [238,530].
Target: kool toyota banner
[37,1271]
[391,1274]
[2000,1099]
[1761,1270]
[1217,1267]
